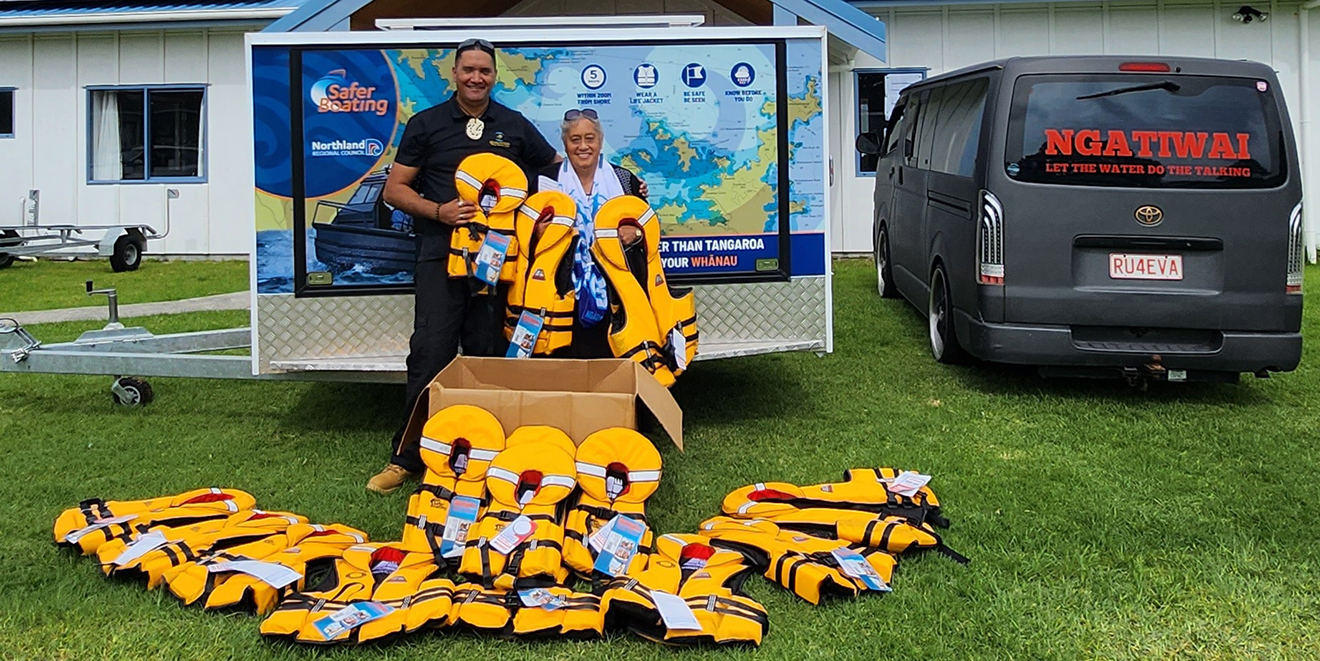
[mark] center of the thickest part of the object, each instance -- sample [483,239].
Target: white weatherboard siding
[49,153]
[947,38]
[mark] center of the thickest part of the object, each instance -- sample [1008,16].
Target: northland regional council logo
[334,92]
[365,147]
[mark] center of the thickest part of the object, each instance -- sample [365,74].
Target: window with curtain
[6,112]
[146,134]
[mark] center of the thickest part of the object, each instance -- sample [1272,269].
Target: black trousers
[448,316]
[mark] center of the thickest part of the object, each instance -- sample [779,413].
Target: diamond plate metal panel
[292,328]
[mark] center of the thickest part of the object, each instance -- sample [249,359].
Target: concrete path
[234,301]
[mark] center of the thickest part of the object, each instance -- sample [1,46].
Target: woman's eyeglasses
[586,112]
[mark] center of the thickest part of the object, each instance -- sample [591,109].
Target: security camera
[1247,14]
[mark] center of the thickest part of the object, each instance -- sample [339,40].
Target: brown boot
[389,480]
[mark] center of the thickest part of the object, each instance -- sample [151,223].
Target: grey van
[1098,215]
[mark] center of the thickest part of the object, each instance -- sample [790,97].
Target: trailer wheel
[128,253]
[130,391]
[8,238]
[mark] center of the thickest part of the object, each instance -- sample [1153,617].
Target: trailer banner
[729,136]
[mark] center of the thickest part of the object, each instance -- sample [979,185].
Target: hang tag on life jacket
[597,540]
[270,573]
[462,516]
[620,545]
[675,612]
[678,341]
[907,483]
[541,598]
[490,259]
[75,535]
[513,534]
[141,546]
[525,333]
[350,617]
[854,565]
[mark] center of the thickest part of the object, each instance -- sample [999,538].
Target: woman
[591,181]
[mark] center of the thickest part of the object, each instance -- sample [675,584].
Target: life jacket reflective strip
[645,315]
[197,542]
[194,582]
[540,475]
[712,590]
[241,591]
[479,175]
[802,563]
[352,580]
[541,263]
[178,510]
[618,469]
[765,499]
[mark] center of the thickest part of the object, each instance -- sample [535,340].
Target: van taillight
[1296,252]
[990,240]
[1145,67]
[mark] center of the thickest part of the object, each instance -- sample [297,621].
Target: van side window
[957,134]
[930,109]
[895,129]
[912,127]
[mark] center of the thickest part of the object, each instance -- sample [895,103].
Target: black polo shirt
[436,141]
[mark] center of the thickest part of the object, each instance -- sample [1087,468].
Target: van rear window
[1170,131]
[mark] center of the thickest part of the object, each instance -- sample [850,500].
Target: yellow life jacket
[617,470]
[457,446]
[527,480]
[502,612]
[805,565]
[197,542]
[409,583]
[707,578]
[83,526]
[863,491]
[496,187]
[774,501]
[195,582]
[643,318]
[543,280]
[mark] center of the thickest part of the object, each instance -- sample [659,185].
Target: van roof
[1015,66]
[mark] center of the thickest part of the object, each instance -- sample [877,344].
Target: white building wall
[49,152]
[947,38]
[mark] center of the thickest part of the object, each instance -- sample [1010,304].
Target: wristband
[437,213]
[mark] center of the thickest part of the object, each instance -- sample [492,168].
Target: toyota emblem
[1149,215]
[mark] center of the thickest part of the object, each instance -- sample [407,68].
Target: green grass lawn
[1102,522]
[46,284]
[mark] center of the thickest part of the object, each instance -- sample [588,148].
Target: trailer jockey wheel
[129,391]
[128,253]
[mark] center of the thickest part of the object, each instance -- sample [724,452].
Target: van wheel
[943,338]
[884,271]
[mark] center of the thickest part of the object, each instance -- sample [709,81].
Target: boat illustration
[364,233]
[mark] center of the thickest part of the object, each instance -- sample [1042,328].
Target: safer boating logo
[335,92]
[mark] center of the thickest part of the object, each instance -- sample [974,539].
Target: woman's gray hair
[567,124]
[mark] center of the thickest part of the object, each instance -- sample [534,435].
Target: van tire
[944,347]
[884,267]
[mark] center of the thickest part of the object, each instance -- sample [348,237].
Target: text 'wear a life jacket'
[707,579]
[95,521]
[775,501]
[519,540]
[652,323]
[811,567]
[496,187]
[216,584]
[407,587]
[618,469]
[457,446]
[543,275]
[182,545]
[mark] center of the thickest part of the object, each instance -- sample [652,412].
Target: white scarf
[605,186]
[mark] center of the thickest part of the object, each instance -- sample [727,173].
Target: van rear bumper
[1031,344]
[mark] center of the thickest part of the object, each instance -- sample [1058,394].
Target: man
[421,183]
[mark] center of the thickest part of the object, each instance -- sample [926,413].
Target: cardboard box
[578,396]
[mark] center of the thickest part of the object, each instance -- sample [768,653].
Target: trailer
[123,244]
[728,127]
